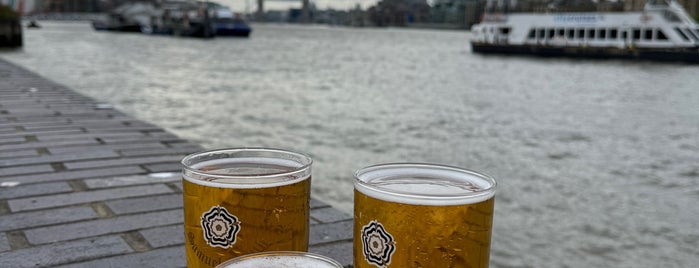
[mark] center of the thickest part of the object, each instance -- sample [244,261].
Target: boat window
[613,33]
[636,34]
[590,33]
[696,37]
[532,34]
[580,34]
[671,16]
[551,32]
[571,33]
[505,30]
[681,34]
[561,33]
[542,33]
[648,34]
[602,33]
[661,35]
[624,35]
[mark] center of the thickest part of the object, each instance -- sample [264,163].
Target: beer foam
[247,172]
[421,184]
[280,262]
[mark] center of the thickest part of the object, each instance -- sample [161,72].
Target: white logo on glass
[220,227]
[377,244]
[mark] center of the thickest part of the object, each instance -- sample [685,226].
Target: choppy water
[598,161]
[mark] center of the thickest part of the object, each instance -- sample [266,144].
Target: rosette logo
[377,244]
[220,227]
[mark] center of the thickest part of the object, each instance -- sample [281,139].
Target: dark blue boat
[231,27]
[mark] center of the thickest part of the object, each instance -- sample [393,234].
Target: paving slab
[164,236]
[60,200]
[10,171]
[158,258]
[4,244]
[51,217]
[60,253]
[132,180]
[34,190]
[145,204]
[74,175]
[99,227]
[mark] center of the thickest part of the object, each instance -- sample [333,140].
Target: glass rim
[358,182]
[279,254]
[293,170]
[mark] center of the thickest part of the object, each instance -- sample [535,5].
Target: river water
[597,161]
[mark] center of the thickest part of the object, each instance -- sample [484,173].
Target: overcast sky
[240,5]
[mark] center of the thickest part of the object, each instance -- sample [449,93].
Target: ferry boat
[662,31]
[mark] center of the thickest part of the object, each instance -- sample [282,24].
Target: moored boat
[234,26]
[662,31]
[129,17]
[174,17]
[226,23]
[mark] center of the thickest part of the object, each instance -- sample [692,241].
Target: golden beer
[281,259]
[242,201]
[422,215]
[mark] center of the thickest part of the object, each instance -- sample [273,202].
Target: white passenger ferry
[662,31]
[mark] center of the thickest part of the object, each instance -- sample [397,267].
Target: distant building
[609,6]
[260,13]
[399,12]
[692,6]
[566,6]
[634,5]
[23,6]
[357,17]
[273,16]
[295,15]
[461,13]
[72,6]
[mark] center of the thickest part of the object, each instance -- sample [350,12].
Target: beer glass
[422,215]
[281,259]
[242,201]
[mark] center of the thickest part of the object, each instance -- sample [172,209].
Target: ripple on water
[600,250]
[561,155]
[693,173]
[574,137]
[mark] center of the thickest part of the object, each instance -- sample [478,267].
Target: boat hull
[667,55]
[231,27]
[241,32]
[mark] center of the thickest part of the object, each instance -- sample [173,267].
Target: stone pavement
[84,185]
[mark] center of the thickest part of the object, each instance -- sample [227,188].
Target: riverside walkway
[84,185]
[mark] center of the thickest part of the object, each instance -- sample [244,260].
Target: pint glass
[281,259]
[242,201]
[422,215]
